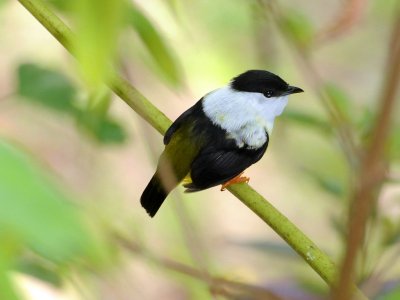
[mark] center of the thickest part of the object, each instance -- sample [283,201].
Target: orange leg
[237,179]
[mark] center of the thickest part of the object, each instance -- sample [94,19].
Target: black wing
[216,166]
[184,117]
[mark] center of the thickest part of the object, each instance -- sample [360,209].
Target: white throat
[245,116]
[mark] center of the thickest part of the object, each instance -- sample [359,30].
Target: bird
[219,137]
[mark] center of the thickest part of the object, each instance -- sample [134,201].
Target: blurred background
[74,158]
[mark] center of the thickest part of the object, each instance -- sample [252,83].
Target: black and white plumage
[219,137]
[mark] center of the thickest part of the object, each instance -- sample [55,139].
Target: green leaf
[103,129]
[390,233]
[39,270]
[328,183]
[340,99]
[156,45]
[99,102]
[365,122]
[307,119]
[53,90]
[47,87]
[96,122]
[35,212]
[110,132]
[299,27]
[98,26]
[339,225]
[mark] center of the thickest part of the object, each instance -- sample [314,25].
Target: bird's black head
[260,81]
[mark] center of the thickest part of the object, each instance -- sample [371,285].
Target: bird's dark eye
[268,94]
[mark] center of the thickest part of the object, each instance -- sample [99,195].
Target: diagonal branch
[318,260]
[348,16]
[218,285]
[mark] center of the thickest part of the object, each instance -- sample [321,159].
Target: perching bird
[215,140]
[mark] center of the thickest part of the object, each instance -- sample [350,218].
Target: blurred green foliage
[34,212]
[329,183]
[298,27]
[155,44]
[47,87]
[97,30]
[36,215]
[99,26]
[45,233]
[309,120]
[54,90]
[341,100]
[39,268]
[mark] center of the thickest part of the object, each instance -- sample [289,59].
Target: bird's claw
[237,179]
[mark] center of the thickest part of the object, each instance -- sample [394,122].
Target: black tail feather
[191,188]
[153,196]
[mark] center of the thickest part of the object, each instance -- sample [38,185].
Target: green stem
[318,260]
[139,103]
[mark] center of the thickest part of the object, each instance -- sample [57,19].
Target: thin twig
[373,169]
[349,15]
[217,285]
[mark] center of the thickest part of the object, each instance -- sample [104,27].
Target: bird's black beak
[293,90]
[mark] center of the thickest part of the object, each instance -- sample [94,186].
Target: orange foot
[237,179]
